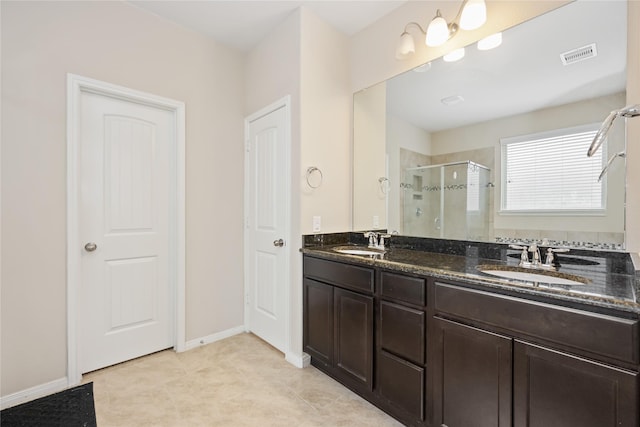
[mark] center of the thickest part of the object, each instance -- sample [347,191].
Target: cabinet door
[554,389]
[318,322]
[471,376]
[353,346]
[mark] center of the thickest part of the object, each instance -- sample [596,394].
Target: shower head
[630,111]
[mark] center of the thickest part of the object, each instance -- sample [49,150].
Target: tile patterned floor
[239,381]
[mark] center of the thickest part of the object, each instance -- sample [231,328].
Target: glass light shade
[406,46]
[490,42]
[437,31]
[454,55]
[474,14]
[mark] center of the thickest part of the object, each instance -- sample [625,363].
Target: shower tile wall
[410,159]
[483,156]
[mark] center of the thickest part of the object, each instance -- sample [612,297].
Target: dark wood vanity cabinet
[318,321]
[338,320]
[439,354]
[401,343]
[541,370]
[556,389]
[353,336]
[472,371]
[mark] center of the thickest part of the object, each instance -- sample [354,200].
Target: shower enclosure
[449,201]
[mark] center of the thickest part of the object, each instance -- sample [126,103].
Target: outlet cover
[376,221]
[317,224]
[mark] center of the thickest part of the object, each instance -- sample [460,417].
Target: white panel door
[124,186]
[267,227]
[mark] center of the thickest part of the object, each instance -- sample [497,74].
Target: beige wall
[407,138]
[272,72]
[369,124]
[307,59]
[632,237]
[120,44]
[325,124]
[324,139]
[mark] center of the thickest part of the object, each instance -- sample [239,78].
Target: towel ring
[384,185]
[310,171]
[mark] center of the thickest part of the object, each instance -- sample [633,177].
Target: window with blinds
[551,172]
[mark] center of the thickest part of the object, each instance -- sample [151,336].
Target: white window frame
[592,127]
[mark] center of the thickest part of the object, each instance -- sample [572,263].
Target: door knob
[90,247]
[279,243]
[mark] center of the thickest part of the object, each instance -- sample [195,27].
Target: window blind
[473,189]
[551,171]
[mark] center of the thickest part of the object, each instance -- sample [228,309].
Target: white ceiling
[524,73]
[242,24]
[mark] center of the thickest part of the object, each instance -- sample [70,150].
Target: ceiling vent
[580,54]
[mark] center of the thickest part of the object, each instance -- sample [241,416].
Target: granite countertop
[611,284]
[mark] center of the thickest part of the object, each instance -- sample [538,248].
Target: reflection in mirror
[423,132]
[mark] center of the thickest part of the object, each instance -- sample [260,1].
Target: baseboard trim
[299,361]
[34,393]
[214,337]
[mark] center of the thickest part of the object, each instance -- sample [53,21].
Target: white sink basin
[536,276]
[349,250]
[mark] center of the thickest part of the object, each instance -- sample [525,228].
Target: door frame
[76,85]
[285,103]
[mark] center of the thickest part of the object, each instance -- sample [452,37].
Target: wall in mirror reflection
[406,146]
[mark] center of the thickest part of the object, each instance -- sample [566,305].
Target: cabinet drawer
[402,384]
[404,288]
[339,274]
[402,331]
[600,334]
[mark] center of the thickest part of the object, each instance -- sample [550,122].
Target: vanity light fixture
[472,15]
[439,30]
[406,45]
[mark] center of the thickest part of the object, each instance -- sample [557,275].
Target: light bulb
[406,46]
[437,31]
[474,14]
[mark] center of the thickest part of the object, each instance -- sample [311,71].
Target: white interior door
[124,214]
[267,225]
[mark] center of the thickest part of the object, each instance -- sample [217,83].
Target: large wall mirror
[431,143]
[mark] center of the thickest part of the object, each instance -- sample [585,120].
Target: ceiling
[524,74]
[242,24]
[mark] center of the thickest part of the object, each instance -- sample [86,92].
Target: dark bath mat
[69,408]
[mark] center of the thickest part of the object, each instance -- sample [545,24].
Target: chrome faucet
[376,240]
[535,259]
[548,261]
[373,238]
[524,256]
